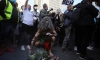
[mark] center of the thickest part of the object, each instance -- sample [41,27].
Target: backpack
[75,17]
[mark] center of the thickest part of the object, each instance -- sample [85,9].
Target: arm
[36,35]
[26,3]
[54,32]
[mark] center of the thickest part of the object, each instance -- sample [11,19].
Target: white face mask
[35,8]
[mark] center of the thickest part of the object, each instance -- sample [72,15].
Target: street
[69,55]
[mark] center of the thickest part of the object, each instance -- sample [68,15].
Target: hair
[43,25]
[44,5]
[59,10]
[35,5]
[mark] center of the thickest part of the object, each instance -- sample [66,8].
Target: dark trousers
[97,36]
[6,31]
[82,35]
[27,34]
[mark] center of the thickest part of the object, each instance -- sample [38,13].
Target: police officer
[8,22]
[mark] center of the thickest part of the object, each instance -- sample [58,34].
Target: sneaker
[75,48]
[28,46]
[77,53]
[90,48]
[0,52]
[9,50]
[82,57]
[22,47]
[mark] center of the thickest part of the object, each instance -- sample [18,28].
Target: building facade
[20,3]
[55,4]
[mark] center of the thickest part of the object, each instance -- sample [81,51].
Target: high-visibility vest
[7,11]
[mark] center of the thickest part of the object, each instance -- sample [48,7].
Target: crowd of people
[47,29]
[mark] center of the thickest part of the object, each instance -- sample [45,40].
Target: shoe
[22,47]
[9,50]
[75,48]
[0,52]
[77,53]
[85,57]
[90,48]
[82,57]
[28,46]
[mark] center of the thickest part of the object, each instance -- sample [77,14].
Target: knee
[53,38]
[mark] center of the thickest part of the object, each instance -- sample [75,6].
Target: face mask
[35,8]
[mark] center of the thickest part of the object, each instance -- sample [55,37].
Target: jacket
[43,13]
[87,14]
[67,15]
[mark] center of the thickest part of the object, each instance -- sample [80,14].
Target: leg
[86,34]
[67,34]
[14,40]
[78,38]
[52,43]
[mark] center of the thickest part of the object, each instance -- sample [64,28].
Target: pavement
[69,55]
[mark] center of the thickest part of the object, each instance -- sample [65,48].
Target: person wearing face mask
[35,12]
[44,11]
[36,17]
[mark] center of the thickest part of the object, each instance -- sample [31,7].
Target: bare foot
[51,55]
[54,58]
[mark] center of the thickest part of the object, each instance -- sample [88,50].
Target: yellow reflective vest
[7,11]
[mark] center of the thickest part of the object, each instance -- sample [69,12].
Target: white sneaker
[28,46]
[22,47]
[75,48]
[90,48]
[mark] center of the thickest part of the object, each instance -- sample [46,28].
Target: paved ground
[69,55]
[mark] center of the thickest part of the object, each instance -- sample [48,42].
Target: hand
[35,15]
[48,33]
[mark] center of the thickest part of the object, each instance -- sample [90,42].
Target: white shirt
[37,14]
[27,17]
